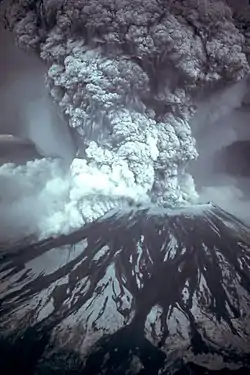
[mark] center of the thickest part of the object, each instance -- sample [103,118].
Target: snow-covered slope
[140,291]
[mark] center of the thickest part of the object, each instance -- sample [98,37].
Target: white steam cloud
[43,198]
[29,196]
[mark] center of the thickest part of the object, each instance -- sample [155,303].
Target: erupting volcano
[125,117]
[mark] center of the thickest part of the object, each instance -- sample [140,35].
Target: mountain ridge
[137,289]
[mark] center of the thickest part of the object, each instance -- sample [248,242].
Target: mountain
[139,291]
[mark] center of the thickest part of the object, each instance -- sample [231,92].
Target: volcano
[139,291]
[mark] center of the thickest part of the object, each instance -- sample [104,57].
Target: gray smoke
[126,77]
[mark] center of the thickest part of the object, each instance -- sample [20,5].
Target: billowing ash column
[125,74]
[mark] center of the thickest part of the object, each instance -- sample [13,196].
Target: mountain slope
[142,291]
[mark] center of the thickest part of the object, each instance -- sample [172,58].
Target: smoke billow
[126,83]
[44,197]
[29,197]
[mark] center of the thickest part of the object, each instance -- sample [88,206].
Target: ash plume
[128,77]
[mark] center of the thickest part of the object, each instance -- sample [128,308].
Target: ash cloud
[127,82]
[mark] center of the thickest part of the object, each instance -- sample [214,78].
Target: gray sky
[25,106]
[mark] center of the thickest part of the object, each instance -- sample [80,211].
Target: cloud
[44,198]
[29,195]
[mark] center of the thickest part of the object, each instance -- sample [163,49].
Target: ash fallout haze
[124,187]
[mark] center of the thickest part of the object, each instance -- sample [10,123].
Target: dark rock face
[146,291]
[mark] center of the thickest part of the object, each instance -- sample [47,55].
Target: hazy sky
[221,121]
[25,107]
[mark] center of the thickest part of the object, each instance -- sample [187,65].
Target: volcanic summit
[140,291]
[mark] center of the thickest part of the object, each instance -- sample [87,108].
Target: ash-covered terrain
[134,115]
[141,291]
